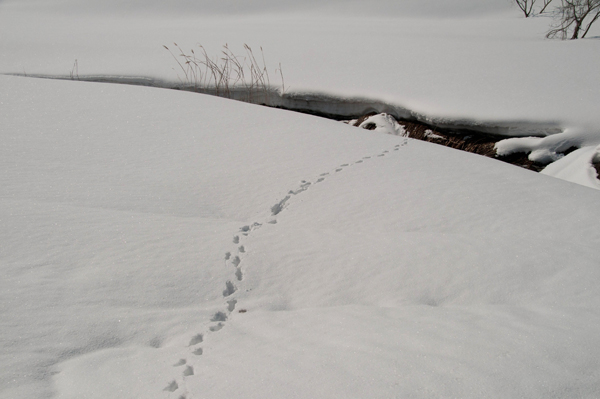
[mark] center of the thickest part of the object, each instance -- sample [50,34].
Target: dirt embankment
[475,142]
[596,166]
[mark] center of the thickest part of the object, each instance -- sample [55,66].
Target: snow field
[164,244]
[115,208]
[415,58]
[358,301]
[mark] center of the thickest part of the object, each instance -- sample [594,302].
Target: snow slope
[137,223]
[462,60]
[164,244]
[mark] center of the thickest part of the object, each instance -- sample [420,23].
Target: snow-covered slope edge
[335,106]
[393,270]
[545,142]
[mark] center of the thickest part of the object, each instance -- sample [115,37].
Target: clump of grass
[74,74]
[227,74]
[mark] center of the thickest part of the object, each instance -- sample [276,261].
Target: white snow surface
[166,244]
[385,124]
[577,167]
[479,62]
[392,267]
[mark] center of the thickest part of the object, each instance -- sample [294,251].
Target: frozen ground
[164,244]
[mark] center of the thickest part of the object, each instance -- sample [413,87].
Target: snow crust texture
[165,244]
[155,248]
[460,62]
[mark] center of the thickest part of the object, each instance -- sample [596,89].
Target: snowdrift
[166,244]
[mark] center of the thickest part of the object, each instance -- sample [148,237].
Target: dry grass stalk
[226,74]
[74,74]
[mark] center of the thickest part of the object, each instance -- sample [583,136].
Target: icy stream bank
[333,107]
[488,138]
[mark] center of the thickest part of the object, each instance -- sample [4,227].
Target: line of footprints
[233,260]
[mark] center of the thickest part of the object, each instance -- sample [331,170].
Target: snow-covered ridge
[535,143]
[336,107]
[415,272]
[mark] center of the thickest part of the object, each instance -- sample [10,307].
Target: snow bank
[577,167]
[165,244]
[472,63]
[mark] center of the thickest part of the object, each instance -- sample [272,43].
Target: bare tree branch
[545,5]
[526,6]
[594,19]
[574,16]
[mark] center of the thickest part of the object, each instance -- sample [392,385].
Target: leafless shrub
[573,17]
[545,5]
[226,74]
[527,6]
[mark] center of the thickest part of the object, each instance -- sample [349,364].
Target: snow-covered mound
[478,63]
[164,244]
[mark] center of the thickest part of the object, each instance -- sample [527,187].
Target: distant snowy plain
[165,244]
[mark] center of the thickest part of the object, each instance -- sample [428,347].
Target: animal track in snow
[231,304]
[196,339]
[172,387]
[198,351]
[189,370]
[219,316]
[229,289]
[278,207]
[305,185]
[302,188]
[248,228]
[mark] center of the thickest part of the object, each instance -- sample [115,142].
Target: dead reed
[227,74]
[74,74]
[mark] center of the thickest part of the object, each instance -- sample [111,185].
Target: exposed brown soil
[471,141]
[364,118]
[521,159]
[596,165]
[477,143]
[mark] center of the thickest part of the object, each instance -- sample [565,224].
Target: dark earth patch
[470,141]
[596,166]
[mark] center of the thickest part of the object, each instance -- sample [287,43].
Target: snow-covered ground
[166,244]
[465,60]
